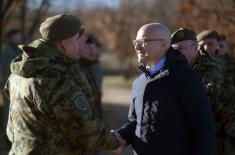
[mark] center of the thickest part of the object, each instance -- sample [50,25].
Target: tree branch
[42,9]
[7,6]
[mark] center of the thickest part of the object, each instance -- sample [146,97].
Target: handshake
[121,141]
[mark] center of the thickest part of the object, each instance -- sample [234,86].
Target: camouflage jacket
[49,108]
[221,96]
[209,69]
[228,67]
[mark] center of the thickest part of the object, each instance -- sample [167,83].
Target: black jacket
[169,113]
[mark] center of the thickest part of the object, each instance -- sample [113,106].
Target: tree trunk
[23,15]
[4,7]
[1,22]
[42,10]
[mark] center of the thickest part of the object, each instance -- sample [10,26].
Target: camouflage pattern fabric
[49,108]
[228,71]
[228,67]
[221,95]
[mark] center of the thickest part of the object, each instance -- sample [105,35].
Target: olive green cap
[60,27]
[207,34]
[183,34]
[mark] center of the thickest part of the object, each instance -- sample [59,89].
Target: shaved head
[152,42]
[155,30]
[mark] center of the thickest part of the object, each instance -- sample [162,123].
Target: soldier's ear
[64,44]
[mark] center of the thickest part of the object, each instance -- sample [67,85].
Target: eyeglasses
[142,41]
[180,48]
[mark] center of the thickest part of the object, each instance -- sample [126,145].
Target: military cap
[183,34]
[207,34]
[60,27]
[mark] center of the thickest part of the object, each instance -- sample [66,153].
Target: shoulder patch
[80,103]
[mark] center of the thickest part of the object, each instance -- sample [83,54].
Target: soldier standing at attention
[220,96]
[49,110]
[9,51]
[208,40]
[208,48]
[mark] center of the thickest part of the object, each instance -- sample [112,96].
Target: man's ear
[64,44]
[164,45]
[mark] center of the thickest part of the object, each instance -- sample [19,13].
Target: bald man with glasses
[169,113]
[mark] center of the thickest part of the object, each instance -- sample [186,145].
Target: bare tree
[40,12]
[4,7]
[209,14]
[116,27]
[23,8]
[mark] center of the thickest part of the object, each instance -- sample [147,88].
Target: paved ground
[115,106]
[116,96]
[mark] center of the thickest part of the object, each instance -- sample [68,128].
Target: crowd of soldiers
[210,56]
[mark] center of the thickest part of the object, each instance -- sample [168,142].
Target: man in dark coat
[169,113]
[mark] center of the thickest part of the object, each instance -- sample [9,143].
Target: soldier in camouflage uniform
[89,62]
[222,94]
[8,53]
[49,107]
[210,70]
[225,57]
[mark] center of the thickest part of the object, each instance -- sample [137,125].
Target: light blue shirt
[157,67]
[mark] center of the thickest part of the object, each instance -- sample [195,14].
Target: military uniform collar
[56,55]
